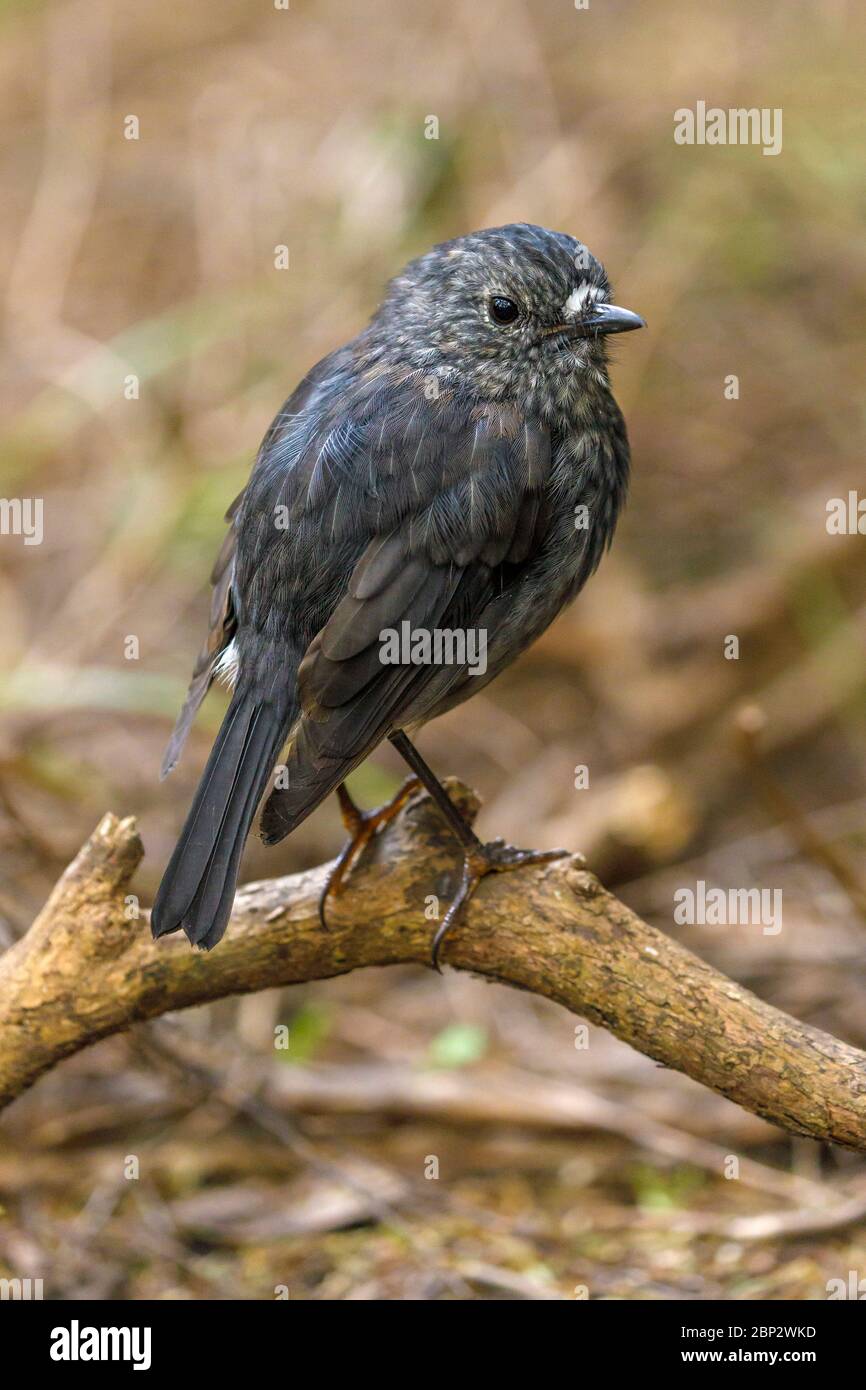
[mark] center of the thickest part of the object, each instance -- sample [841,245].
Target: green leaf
[458,1045]
[308,1028]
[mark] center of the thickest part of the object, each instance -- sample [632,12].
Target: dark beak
[607,318]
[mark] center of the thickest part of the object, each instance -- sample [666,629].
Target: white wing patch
[225,669]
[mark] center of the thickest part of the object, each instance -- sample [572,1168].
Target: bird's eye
[503,310]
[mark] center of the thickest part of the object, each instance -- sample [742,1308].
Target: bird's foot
[495,857]
[362,826]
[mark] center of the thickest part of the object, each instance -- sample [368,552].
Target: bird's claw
[494,857]
[362,827]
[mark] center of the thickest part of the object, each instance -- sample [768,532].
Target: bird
[457,468]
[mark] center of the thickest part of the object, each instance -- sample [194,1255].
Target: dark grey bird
[457,468]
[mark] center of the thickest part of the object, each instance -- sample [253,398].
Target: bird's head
[515,312]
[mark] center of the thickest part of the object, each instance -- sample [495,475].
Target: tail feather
[211,907]
[312,775]
[198,886]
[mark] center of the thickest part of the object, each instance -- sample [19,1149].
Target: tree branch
[87,968]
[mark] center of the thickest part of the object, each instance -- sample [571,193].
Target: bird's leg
[362,826]
[479,859]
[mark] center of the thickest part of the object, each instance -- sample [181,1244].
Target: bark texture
[87,967]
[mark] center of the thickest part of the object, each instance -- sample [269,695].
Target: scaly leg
[362,826]
[478,859]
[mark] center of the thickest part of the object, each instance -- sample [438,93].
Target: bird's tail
[316,763]
[198,886]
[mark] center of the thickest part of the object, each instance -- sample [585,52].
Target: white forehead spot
[579,298]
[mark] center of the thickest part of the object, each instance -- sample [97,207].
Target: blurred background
[149,340]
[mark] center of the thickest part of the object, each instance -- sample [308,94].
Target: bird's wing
[223,616]
[453,501]
[472,505]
